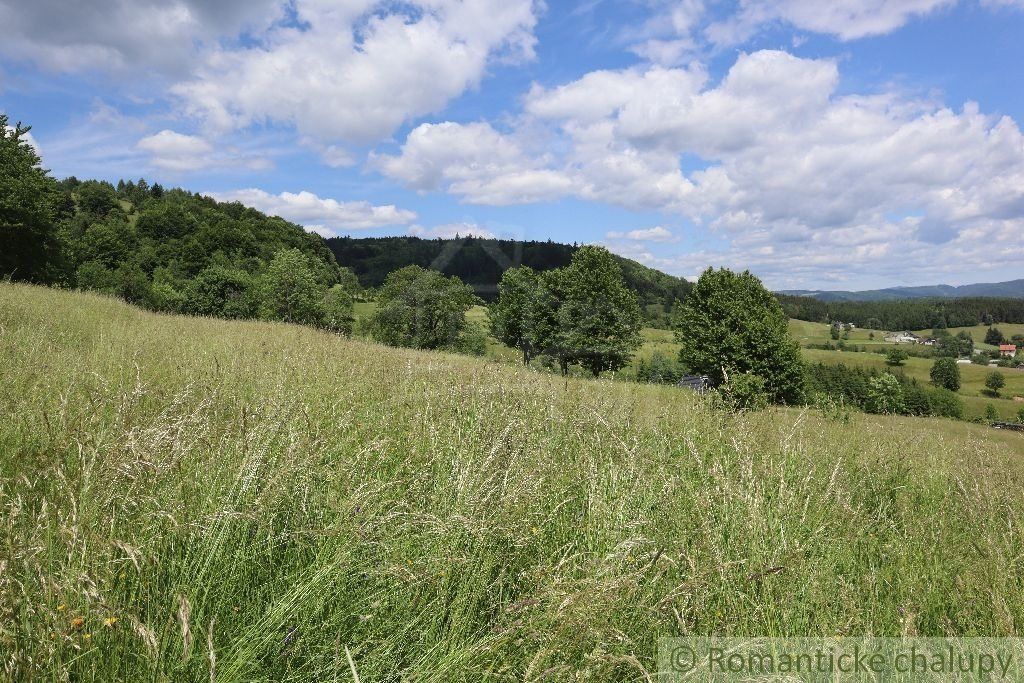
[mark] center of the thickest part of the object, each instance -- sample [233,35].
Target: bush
[991,413]
[220,292]
[658,370]
[896,357]
[473,340]
[337,310]
[745,391]
[944,403]
[885,395]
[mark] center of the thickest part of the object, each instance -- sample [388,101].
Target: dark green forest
[907,314]
[481,262]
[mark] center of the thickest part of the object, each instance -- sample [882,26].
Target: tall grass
[190,499]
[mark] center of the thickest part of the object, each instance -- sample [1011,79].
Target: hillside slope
[189,498]
[1009,289]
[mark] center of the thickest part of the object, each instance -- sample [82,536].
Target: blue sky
[849,144]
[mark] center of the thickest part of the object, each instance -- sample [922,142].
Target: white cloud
[123,35]
[324,216]
[177,152]
[473,161]
[356,71]
[450,231]
[655,234]
[793,177]
[844,19]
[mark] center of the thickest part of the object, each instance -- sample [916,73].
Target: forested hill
[1012,288]
[480,262]
[907,314]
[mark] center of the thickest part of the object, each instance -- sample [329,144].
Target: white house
[902,338]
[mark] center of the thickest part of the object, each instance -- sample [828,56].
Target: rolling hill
[1009,289]
[191,498]
[480,263]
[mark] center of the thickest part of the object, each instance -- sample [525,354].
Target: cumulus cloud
[473,161]
[177,152]
[791,174]
[324,216]
[123,34]
[353,72]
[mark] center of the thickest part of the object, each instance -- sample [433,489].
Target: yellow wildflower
[109,622]
[77,622]
[61,607]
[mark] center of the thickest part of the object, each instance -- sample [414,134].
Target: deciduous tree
[945,373]
[600,316]
[289,290]
[421,309]
[511,316]
[731,324]
[29,248]
[994,382]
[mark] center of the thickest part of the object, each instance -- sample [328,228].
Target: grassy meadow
[197,499]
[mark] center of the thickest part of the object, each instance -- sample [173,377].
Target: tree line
[907,314]
[165,250]
[480,263]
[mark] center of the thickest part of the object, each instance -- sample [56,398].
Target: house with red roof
[1008,350]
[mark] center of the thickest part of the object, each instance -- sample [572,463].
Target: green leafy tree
[97,198]
[110,242]
[873,324]
[290,291]
[896,357]
[885,395]
[337,310]
[994,336]
[731,324]
[599,316]
[29,248]
[966,343]
[991,413]
[945,373]
[511,315]
[421,309]
[1020,416]
[546,334]
[220,292]
[994,382]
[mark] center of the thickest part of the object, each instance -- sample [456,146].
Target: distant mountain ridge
[1011,289]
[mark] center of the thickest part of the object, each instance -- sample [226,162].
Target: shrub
[945,403]
[885,395]
[745,391]
[473,340]
[337,310]
[896,357]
